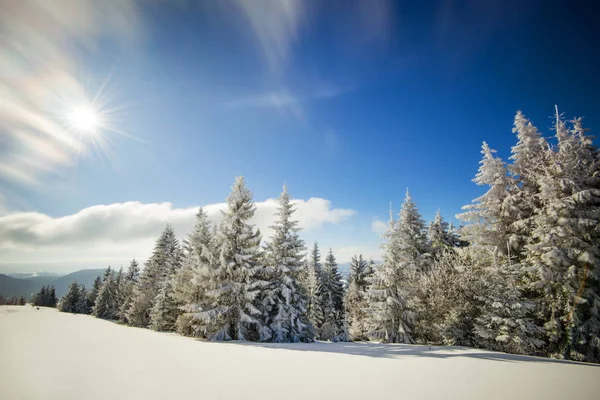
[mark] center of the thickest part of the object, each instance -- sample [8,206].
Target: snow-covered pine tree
[447,308]
[164,262]
[356,298]
[93,293]
[267,300]
[312,284]
[232,311]
[529,159]
[438,235]
[565,246]
[332,301]
[71,301]
[52,300]
[83,306]
[586,320]
[392,294]
[120,289]
[504,321]
[182,288]
[412,232]
[46,297]
[164,313]
[106,306]
[129,281]
[487,223]
[454,237]
[195,277]
[289,319]
[415,257]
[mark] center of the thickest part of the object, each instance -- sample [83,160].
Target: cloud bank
[121,231]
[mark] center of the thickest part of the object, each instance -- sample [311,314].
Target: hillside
[27,286]
[132,363]
[84,276]
[10,286]
[27,275]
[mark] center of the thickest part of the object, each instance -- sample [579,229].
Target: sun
[84,119]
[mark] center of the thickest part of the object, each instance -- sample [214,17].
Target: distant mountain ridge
[26,275]
[31,284]
[28,283]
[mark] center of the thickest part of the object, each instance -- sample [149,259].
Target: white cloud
[369,251]
[124,230]
[378,226]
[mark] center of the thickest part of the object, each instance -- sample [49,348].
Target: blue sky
[350,102]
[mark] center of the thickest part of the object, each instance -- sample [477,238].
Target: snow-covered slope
[52,355]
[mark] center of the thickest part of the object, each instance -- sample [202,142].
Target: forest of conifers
[521,275]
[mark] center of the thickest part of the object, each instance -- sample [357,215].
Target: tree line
[12,301]
[520,276]
[46,297]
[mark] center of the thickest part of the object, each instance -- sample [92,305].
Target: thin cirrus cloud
[42,42]
[275,25]
[285,100]
[126,230]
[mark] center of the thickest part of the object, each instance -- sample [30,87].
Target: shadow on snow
[380,350]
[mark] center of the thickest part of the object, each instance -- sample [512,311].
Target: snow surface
[46,354]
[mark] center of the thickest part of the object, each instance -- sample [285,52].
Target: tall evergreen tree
[529,161]
[195,277]
[162,265]
[332,300]
[392,295]
[439,237]
[46,297]
[412,232]
[289,322]
[120,290]
[51,300]
[268,298]
[130,280]
[164,313]
[232,312]
[313,277]
[565,245]
[83,305]
[106,305]
[93,294]
[41,298]
[447,306]
[356,298]
[71,302]
[487,222]
[504,319]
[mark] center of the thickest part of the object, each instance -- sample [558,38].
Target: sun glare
[84,119]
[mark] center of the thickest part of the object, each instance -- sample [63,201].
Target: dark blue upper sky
[349,101]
